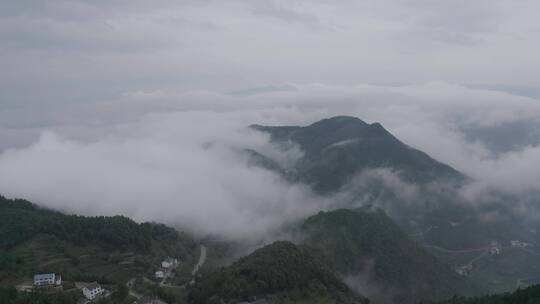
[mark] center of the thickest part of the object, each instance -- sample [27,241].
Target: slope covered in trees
[281,273]
[107,249]
[369,249]
[20,220]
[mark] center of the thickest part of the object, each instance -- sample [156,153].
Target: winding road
[200,263]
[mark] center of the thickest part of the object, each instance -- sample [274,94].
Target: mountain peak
[337,148]
[339,121]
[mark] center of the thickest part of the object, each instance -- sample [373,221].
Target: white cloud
[182,169]
[109,76]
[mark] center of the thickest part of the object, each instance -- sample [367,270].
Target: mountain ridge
[337,148]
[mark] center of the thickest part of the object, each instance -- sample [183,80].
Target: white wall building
[47,279]
[169,262]
[165,264]
[92,291]
[160,274]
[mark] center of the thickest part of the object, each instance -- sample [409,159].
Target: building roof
[44,276]
[92,286]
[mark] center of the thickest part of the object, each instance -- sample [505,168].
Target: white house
[165,264]
[169,262]
[160,274]
[92,291]
[47,279]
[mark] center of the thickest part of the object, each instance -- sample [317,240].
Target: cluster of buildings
[94,291]
[90,291]
[166,265]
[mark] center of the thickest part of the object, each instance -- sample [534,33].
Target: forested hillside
[20,220]
[281,273]
[369,249]
[107,249]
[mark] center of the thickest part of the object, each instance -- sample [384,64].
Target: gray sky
[69,51]
[132,106]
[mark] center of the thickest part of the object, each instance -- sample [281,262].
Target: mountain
[373,253]
[360,164]
[279,273]
[337,148]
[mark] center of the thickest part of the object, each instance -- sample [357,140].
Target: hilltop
[337,148]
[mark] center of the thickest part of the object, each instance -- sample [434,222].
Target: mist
[176,157]
[183,169]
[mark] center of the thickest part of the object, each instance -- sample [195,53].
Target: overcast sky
[117,88]
[67,51]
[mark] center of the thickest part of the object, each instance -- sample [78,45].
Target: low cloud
[173,156]
[183,169]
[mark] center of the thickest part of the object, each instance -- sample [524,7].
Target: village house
[160,274]
[169,263]
[92,291]
[47,279]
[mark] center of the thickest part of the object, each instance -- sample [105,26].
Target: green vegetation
[529,295]
[20,220]
[104,249]
[366,245]
[281,273]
